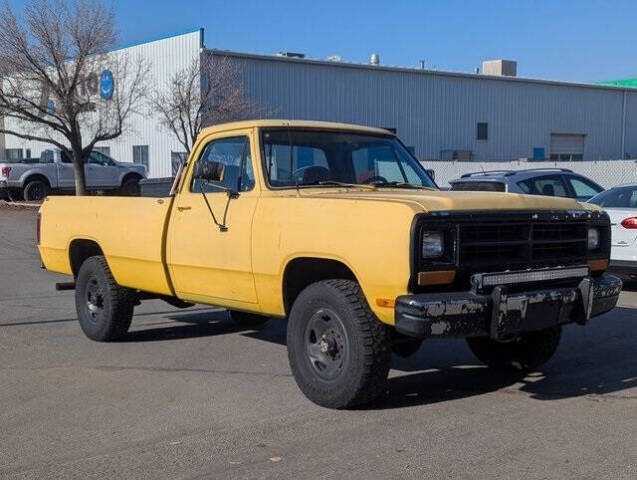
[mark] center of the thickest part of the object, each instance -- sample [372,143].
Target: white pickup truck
[54,172]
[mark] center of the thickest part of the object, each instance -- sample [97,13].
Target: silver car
[554,182]
[54,172]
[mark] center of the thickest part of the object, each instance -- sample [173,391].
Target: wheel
[338,350]
[35,190]
[130,188]
[104,309]
[524,352]
[245,319]
[405,347]
[15,195]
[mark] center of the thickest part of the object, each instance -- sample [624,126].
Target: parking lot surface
[190,395]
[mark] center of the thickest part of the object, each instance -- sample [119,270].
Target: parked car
[621,204]
[339,229]
[554,182]
[33,181]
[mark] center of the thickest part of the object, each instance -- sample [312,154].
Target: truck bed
[131,228]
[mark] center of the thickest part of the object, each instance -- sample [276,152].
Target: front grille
[524,243]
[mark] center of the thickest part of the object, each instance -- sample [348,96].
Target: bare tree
[58,82]
[205,93]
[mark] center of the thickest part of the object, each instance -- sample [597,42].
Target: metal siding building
[435,112]
[439,111]
[165,56]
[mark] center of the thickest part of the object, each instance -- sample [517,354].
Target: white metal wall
[165,58]
[435,111]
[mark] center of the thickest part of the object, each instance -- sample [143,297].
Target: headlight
[432,244]
[593,238]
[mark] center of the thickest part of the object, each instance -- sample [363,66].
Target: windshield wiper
[402,185]
[341,184]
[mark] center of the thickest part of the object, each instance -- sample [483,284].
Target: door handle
[181,209]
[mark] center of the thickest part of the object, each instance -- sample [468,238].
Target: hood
[438,200]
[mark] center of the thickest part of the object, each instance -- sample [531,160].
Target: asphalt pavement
[188,395]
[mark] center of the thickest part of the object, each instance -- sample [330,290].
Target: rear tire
[339,352]
[525,352]
[244,319]
[35,191]
[104,309]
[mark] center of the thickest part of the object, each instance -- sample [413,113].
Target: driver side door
[207,264]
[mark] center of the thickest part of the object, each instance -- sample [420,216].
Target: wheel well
[80,250]
[131,176]
[302,272]
[36,176]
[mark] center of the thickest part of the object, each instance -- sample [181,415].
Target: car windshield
[296,157]
[619,197]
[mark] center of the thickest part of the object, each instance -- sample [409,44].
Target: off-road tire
[526,352]
[35,190]
[130,188]
[245,319]
[366,362]
[104,309]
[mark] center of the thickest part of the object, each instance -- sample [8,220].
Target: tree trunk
[78,169]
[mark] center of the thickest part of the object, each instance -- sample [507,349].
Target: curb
[20,205]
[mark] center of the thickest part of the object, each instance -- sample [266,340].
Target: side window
[552,186]
[583,188]
[96,158]
[231,153]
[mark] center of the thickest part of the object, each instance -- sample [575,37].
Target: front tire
[339,352]
[104,309]
[527,351]
[130,188]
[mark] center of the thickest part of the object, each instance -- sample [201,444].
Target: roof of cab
[223,127]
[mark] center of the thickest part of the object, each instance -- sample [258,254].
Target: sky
[584,41]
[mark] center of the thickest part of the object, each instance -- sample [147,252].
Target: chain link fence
[607,173]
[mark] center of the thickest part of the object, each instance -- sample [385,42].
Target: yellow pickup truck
[339,229]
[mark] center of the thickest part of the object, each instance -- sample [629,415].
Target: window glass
[551,186]
[323,156]
[232,153]
[621,197]
[97,158]
[479,186]
[483,131]
[583,188]
[140,154]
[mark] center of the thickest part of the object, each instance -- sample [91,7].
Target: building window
[105,150]
[13,154]
[177,159]
[140,154]
[483,131]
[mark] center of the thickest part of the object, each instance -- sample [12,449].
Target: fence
[607,173]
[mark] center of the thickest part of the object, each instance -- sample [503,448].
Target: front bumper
[501,314]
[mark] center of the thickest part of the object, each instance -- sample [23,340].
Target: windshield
[295,157]
[619,197]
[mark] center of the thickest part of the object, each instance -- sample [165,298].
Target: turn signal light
[630,223]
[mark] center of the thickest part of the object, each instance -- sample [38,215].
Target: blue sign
[107,85]
[50,107]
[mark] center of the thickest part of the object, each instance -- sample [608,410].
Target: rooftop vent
[290,55]
[334,58]
[374,59]
[505,68]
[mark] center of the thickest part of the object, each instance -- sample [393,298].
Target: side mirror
[211,172]
[431,173]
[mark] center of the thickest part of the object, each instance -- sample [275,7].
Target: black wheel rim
[36,192]
[94,300]
[326,344]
